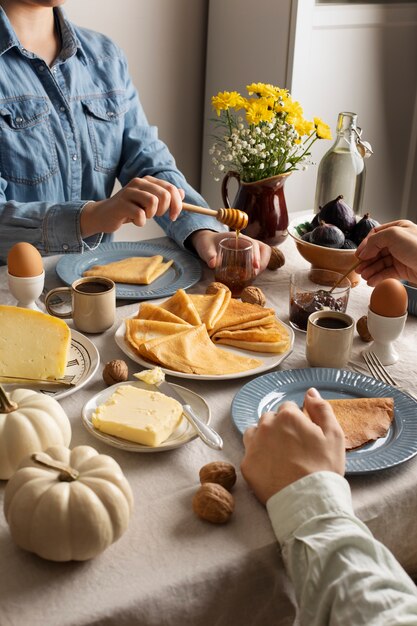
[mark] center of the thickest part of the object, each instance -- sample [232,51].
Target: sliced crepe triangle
[192,351]
[273,337]
[180,304]
[211,307]
[240,315]
[363,419]
[133,270]
[149,311]
[138,331]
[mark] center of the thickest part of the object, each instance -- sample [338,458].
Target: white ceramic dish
[269,360]
[83,361]
[181,435]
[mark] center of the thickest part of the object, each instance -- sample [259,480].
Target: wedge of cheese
[139,415]
[32,344]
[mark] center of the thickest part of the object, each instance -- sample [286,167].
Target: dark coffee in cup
[331,322]
[93,286]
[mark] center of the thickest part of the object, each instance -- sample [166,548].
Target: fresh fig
[338,213]
[315,221]
[349,245]
[327,235]
[363,228]
[306,237]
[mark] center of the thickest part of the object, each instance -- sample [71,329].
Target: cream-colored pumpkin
[37,423]
[64,518]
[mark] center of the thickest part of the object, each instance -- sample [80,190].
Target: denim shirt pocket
[27,146]
[106,120]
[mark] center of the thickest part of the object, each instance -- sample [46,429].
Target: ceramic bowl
[412,298]
[335,259]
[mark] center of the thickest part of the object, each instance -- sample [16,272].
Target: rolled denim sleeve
[144,154]
[341,573]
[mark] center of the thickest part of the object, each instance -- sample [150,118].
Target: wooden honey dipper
[235,219]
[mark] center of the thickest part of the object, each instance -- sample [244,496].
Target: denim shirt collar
[70,42]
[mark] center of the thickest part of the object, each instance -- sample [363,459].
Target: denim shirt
[66,133]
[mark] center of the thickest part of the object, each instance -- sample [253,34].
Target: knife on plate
[205,432]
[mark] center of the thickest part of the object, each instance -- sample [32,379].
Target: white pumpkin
[36,422]
[68,504]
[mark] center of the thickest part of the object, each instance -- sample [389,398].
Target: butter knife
[37,381]
[206,433]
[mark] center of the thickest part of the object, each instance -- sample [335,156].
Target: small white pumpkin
[29,422]
[68,504]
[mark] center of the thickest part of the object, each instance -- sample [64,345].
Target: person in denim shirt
[71,123]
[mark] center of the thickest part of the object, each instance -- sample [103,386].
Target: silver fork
[378,370]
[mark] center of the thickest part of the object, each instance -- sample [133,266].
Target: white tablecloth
[170,567]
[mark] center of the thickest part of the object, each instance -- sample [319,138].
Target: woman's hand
[205,243]
[140,200]
[389,251]
[288,445]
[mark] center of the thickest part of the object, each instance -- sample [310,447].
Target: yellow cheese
[139,415]
[32,344]
[151,377]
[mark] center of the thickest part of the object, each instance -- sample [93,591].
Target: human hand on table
[138,201]
[288,445]
[205,243]
[389,251]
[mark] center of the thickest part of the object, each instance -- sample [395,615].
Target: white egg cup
[26,290]
[384,331]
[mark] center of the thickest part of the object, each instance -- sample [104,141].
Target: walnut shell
[218,472]
[253,295]
[215,287]
[362,328]
[115,371]
[213,503]
[276,260]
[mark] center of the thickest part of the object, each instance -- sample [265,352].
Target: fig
[349,245]
[338,213]
[363,228]
[327,235]
[306,237]
[315,221]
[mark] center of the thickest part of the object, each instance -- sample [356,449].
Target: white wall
[164,41]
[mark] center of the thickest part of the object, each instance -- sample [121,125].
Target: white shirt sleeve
[342,575]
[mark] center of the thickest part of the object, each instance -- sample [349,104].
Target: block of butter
[139,415]
[32,344]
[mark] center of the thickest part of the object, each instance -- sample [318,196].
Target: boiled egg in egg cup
[387,314]
[25,274]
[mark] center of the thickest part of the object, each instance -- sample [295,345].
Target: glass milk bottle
[342,169]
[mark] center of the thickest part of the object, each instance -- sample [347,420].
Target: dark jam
[305,303]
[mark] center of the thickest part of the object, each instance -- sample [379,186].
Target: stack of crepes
[135,270]
[181,333]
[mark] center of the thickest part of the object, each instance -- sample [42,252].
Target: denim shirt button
[110,114]
[41,68]
[74,157]
[19,120]
[62,109]
[65,246]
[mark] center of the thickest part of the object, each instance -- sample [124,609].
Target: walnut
[215,287]
[276,260]
[115,371]
[362,328]
[253,295]
[213,503]
[218,472]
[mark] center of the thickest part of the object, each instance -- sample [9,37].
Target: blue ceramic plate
[183,273]
[266,392]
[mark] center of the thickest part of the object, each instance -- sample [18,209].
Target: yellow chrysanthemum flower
[227,100]
[263,90]
[322,129]
[257,112]
[304,127]
[294,109]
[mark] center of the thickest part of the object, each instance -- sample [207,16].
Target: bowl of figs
[329,240]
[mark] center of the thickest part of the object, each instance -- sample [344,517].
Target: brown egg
[24,260]
[389,298]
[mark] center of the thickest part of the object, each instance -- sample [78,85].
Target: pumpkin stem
[67,473]
[6,405]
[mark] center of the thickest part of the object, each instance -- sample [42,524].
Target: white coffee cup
[329,338]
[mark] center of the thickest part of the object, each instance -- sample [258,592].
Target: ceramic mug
[329,338]
[93,300]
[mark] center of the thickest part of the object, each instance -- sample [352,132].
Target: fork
[378,370]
